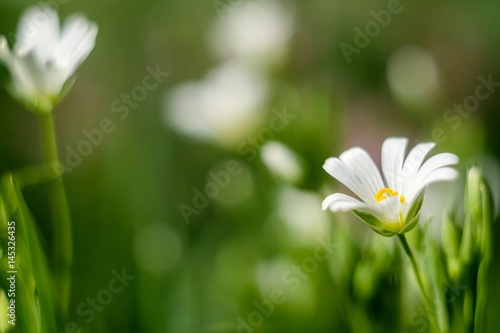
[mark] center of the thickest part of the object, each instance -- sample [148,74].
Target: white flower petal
[393,153]
[442,174]
[388,209]
[77,41]
[341,202]
[42,60]
[340,171]
[38,31]
[414,185]
[437,175]
[27,76]
[415,158]
[412,164]
[435,162]
[362,165]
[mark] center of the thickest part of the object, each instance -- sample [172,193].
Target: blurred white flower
[222,108]
[413,77]
[254,30]
[390,207]
[46,55]
[281,161]
[299,211]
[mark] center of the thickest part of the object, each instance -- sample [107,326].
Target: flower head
[390,205]
[46,55]
[255,30]
[222,108]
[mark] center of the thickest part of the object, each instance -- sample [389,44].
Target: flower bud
[467,246]
[472,190]
[450,240]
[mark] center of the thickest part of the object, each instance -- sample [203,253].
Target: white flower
[281,161]
[253,30]
[413,77]
[299,211]
[390,205]
[222,108]
[46,55]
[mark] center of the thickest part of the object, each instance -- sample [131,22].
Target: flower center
[387,192]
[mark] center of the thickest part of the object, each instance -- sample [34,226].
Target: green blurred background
[203,273]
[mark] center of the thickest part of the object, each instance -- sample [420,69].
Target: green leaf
[35,283]
[436,278]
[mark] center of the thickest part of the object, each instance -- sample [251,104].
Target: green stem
[62,239]
[33,175]
[416,270]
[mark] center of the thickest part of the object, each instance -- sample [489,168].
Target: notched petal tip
[452,173]
[447,158]
[396,139]
[330,164]
[352,150]
[456,158]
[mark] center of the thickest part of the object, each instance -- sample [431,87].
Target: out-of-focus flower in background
[45,56]
[413,78]
[390,207]
[299,211]
[254,30]
[282,161]
[222,108]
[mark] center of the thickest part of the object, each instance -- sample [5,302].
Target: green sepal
[410,224]
[373,223]
[415,207]
[66,88]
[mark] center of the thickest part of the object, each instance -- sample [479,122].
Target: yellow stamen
[402,199]
[380,195]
